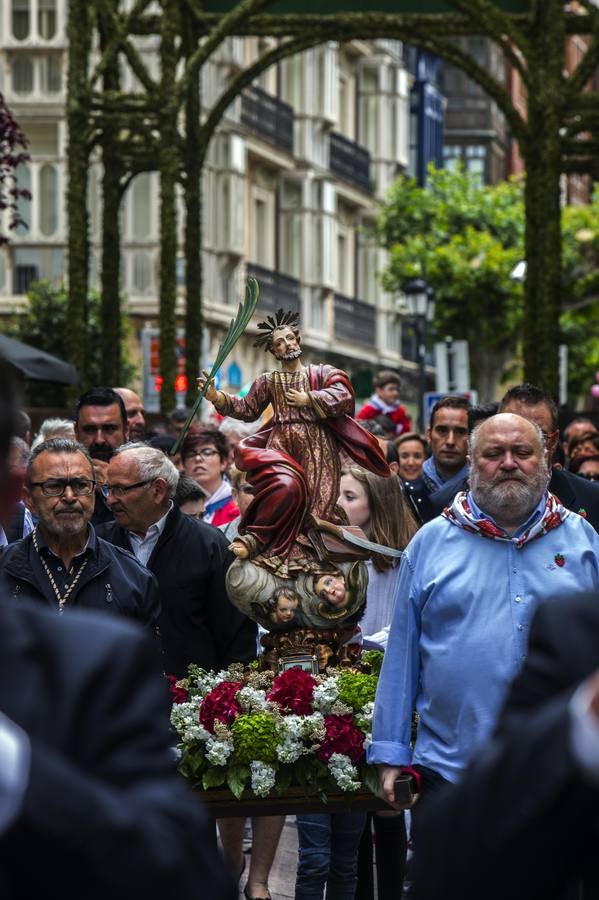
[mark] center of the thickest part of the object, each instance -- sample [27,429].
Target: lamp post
[420,305]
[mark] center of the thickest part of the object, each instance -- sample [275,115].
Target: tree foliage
[13,153]
[44,326]
[465,240]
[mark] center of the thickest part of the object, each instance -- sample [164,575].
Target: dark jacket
[198,623]
[113,581]
[573,492]
[523,822]
[105,813]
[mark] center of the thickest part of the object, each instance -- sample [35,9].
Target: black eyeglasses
[591,476]
[201,454]
[119,490]
[55,487]
[246,489]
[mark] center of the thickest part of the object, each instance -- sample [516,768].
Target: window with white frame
[48,200]
[22,74]
[50,74]
[345,260]
[46,19]
[369,102]
[367,269]
[291,229]
[21,19]
[140,207]
[142,272]
[262,227]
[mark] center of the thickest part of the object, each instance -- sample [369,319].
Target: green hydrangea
[255,737]
[373,658]
[356,689]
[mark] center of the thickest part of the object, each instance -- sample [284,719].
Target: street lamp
[420,306]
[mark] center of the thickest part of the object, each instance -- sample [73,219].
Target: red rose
[342,736]
[220,704]
[178,694]
[293,690]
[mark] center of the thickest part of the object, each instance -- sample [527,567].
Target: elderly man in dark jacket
[198,623]
[63,563]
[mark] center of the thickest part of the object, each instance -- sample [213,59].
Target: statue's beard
[291,354]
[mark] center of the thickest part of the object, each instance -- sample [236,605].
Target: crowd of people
[496,514]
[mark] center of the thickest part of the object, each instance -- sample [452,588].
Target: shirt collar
[90,545]
[154,530]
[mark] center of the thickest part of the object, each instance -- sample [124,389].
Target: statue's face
[284,344]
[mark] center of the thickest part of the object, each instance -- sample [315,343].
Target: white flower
[263,778]
[218,752]
[364,718]
[184,718]
[344,772]
[289,751]
[252,700]
[325,694]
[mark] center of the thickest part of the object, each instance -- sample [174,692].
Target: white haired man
[197,622]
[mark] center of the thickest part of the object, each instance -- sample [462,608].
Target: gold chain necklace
[62,598]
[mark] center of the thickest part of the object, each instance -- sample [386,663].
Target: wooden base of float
[220,803]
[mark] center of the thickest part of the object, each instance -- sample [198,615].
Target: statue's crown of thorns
[281,320]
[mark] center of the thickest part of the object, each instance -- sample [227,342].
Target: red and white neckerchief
[461,513]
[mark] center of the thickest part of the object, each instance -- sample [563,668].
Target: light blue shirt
[460,631]
[142,545]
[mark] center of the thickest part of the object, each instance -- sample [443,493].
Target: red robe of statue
[294,462]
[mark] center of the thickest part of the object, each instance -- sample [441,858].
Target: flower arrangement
[262,732]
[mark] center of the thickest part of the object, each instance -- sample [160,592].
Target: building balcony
[355,321]
[276,290]
[268,118]
[350,162]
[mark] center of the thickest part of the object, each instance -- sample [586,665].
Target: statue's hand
[239,549]
[297,398]
[211,393]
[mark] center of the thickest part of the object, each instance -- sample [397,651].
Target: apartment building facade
[290,189]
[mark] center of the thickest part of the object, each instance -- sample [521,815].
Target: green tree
[465,241]
[579,321]
[44,326]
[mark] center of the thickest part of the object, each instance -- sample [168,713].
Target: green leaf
[370,777]
[237,777]
[284,779]
[214,777]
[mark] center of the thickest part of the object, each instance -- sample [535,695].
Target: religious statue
[299,564]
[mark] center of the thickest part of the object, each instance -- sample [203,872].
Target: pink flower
[220,704]
[293,690]
[178,694]
[342,736]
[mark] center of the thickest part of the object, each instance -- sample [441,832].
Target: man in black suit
[523,822]
[198,623]
[91,805]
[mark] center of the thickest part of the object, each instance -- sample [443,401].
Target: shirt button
[515,571]
[524,657]
[517,599]
[520,627]
[60,568]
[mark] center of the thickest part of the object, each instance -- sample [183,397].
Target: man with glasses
[63,563]
[101,426]
[575,493]
[91,804]
[197,622]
